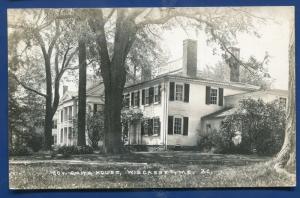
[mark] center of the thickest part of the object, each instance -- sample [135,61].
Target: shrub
[261,125]
[212,142]
[67,151]
[19,151]
[35,142]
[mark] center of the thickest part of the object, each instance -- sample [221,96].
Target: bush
[67,151]
[19,151]
[35,142]
[261,125]
[212,142]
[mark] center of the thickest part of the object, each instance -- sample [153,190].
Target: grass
[185,170]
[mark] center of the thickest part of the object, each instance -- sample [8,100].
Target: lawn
[180,169]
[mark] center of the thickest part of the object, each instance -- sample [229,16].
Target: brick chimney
[234,65]
[65,89]
[189,57]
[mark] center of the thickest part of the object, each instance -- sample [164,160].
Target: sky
[274,40]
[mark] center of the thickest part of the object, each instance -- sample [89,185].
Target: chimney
[234,65]
[189,57]
[65,89]
[146,74]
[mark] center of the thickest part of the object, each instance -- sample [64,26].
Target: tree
[286,158]
[128,22]
[81,93]
[44,30]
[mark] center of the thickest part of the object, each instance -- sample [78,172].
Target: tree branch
[28,88]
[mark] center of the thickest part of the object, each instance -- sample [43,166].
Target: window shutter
[132,99]
[143,97]
[150,127]
[142,127]
[185,125]
[221,90]
[138,98]
[159,93]
[151,95]
[158,127]
[207,95]
[170,125]
[186,92]
[171,93]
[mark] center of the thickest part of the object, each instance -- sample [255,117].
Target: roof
[179,75]
[261,92]
[96,90]
[221,113]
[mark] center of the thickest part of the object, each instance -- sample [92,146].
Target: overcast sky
[274,39]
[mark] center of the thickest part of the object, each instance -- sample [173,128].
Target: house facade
[173,104]
[65,119]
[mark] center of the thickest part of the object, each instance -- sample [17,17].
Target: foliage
[95,127]
[67,151]
[211,142]
[262,126]
[131,115]
[20,150]
[35,142]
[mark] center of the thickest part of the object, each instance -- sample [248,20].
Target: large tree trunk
[82,94]
[286,158]
[48,113]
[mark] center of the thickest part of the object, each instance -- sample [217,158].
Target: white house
[66,114]
[175,104]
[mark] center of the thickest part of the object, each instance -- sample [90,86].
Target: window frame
[135,98]
[281,102]
[212,97]
[147,98]
[156,128]
[181,125]
[175,91]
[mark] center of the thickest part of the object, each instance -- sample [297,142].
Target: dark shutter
[159,93]
[170,125]
[150,127]
[158,127]
[138,98]
[221,90]
[142,127]
[132,99]
[186,92]
[185,125]
[207,95]
[143,97]
[151,95]
[95,107]
[171,93]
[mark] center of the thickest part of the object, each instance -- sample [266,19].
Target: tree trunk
[286,158]
[48,113]
[112,119]
[82,93]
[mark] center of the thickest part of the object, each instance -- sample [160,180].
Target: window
[179,92]
[136,99]
[66,113]
[282,101]
[54,139]
[70,134]
[156,126]
[146,96]
[70,112]
[126,100]
[177,125]
[208,128]
[213,96]
[156,94]
[54,124]
[61,135]
[61,116]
